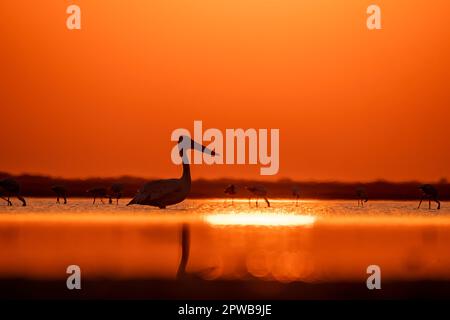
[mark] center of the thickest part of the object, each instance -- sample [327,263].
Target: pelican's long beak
[199,147]
[185,143]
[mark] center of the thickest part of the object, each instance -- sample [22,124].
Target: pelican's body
[362,197]
[429,192]
[162,193]
[11,188]
[61,192]
[258,192]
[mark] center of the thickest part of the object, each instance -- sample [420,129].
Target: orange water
[316,241]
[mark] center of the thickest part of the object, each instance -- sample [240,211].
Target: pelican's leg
[117,201]
[267,200]
[257,202]
[94,200]
[101,199]
[65,200]
[57,199]
[232,201]
[421,199]
[9,202]
[439,203]
[362,203]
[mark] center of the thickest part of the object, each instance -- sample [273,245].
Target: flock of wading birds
[11,188]
[162,193]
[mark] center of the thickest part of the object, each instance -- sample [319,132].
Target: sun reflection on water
[260,219]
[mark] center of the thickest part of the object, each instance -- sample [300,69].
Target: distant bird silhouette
[296,193]
[429,192]
[11,189]
[2,197]
[162,193]
[61,192]
[258,192]
[98,192]
[361,195]
[230,190]
[115,192]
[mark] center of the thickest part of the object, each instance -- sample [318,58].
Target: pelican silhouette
[230,190]
[296,193]
[258,192]
[98,192]
[115,192]
[429,192]
[61,192]
[162,193]
[361,195]
[11,189]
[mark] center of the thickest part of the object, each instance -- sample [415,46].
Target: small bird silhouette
[61,192]
[361,195]
[11,188]
[115,192]
[429,192]
[258,192]
[296,193]
[98,192]
[230,190]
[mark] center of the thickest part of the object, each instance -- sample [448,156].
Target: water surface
[316,241]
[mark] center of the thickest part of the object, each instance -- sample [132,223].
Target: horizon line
[442,180]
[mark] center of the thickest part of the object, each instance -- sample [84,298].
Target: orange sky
[351,104]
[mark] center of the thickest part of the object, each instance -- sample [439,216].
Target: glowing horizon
[351,104]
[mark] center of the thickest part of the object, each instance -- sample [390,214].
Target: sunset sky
[351,104]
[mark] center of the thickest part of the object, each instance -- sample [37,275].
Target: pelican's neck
[186,170]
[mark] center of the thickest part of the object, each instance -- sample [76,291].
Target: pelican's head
[186,143]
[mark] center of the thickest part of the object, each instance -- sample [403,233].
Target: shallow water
[316,241]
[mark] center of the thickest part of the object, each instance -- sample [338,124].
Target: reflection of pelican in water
[429,192]
[61,192]
[11,188]
[162,193]
[296,193]
[258,192]
[185,250]
[361,195]
[230,190]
